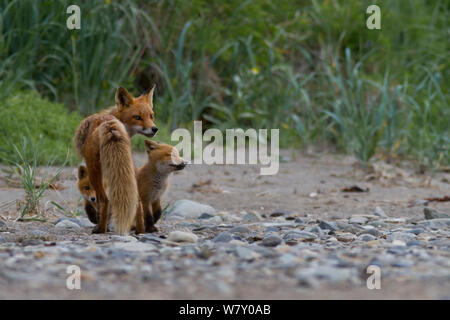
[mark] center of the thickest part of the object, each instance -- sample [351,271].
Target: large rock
[189,209]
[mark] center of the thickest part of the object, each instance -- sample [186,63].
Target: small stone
[403,236]
[328,273]
[380,213]
[324,225]
[38,233]
[252,217]
[367,237]
[2,240]
[123,238]
[299,221]
[272,229]
[3,225]
[413,243]
[85,223]
[240,229]
[345,237]
[378,224]
[302,235]
[66,223]
[374,232]
[182,236]
[346,227]
[431,213]
[223,237]
[280,213]
[245,253]
[435,224]
[417,231]
[402,264]
[358,220]
[315,229]
[271,241]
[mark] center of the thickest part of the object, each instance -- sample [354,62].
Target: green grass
[308,67]
[26,166]
[24,115]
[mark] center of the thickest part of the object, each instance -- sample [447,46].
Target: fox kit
[88,193]
[103,140]
[153,179]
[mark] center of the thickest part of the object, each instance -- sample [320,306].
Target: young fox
[103,140]
[153,179]
[88,193]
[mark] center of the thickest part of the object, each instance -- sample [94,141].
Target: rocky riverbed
[291,236]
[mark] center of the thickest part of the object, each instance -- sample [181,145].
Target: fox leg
[156,210]
[148,218]
[91,212]
[140,228]
[95,177]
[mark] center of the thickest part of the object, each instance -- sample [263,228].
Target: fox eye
[137,117]
[87,188]
[152,116]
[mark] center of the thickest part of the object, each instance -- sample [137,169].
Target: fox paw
[151,229]
[97,230]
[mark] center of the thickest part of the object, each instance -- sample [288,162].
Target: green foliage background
[310,68]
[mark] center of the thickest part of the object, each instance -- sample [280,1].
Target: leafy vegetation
[24,116]
[308,67]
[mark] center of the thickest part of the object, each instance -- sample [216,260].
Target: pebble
[223,237]
[435,224]
[303,235]
[367,237]
[252,217]
[66,223]
[431,213]
[358,220]
[324,225]
[245,253]
[123,238]
[380,213]
[374,232]
[346,227]
[345,237]
[271,241]
[181,236]
[240,229]
[403,236]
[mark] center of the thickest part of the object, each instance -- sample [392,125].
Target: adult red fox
[90,200]
[153,179]
[103,140]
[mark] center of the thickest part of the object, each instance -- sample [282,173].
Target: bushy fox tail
[118,170]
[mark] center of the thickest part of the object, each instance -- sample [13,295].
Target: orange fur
[103,140]
[153,179]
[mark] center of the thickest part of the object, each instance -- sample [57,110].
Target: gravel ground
[232,233]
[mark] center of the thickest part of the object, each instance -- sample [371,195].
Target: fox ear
[123,98]
[82,172]
[150,145]
[149,94]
